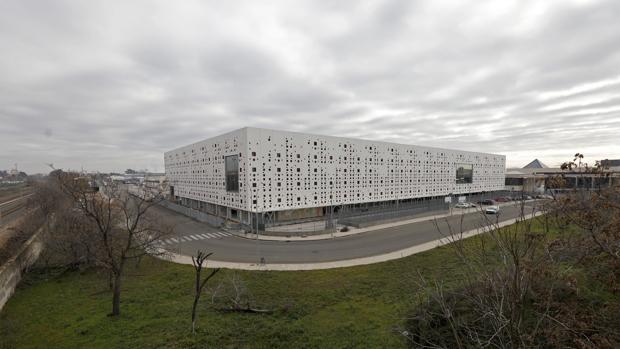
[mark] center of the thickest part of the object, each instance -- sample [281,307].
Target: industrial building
[288,176]
[538,178]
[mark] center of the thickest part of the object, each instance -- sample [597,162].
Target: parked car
[523,197]
[502,199]
[492,210]
[465,205]
[486,202]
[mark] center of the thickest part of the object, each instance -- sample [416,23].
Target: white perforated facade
[286,170]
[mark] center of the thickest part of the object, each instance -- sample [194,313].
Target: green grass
[336,308]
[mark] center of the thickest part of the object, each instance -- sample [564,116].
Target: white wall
[358,170]
[196,171]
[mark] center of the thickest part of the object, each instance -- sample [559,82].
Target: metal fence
[309,227]
[192,213]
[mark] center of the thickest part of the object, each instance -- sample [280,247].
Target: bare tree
[68,241]
[515,285]
[501,271]
[123,229]
[594,209]
[198,263]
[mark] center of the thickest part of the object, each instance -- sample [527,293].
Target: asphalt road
[193,235]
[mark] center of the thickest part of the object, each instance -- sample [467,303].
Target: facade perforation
[284,170]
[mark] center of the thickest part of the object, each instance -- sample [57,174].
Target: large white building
[293,175]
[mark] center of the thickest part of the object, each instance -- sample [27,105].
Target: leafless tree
[123,229]
[199,261]
[514,288]
[500,273]
[595,209]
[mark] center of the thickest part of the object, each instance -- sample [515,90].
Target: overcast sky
[110,85]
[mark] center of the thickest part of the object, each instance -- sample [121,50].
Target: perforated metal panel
[286,170]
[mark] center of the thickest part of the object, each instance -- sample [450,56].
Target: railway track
[8,209]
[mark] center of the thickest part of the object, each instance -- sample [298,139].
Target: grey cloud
[83,84]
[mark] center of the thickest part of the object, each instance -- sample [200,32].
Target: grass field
[338,308]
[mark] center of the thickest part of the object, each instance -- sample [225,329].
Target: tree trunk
[196,299]
[110,280]
[194,307]
[116,296]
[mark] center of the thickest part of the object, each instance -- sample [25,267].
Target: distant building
[536,164]
[613,165]
[534,178]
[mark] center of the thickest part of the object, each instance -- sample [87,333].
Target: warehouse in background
[260,176]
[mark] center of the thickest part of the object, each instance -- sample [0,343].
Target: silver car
[492,210]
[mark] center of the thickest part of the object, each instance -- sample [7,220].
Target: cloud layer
[111,85]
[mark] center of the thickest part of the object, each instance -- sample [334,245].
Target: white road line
[204,236]
[194,238]
[199,237]
[211,235]
[175,239]
[225,234]
[218,234]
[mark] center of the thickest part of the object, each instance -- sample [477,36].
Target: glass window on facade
[464,173]
[231,170]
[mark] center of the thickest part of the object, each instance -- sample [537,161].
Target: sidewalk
[354,231]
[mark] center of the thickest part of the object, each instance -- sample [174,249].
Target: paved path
[231,249]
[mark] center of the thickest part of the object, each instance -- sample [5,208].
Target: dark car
[502,199]
[486,202]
